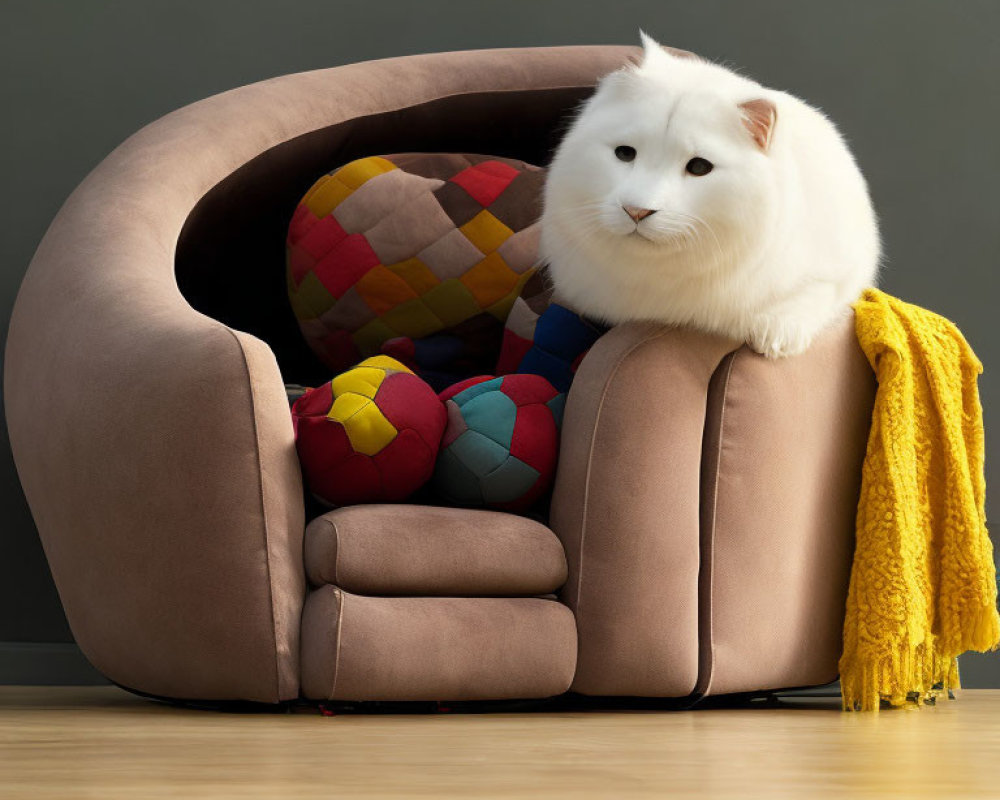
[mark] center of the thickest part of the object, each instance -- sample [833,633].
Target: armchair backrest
[143,395]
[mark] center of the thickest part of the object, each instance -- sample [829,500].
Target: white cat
[686,194]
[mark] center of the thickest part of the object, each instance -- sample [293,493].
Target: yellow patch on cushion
[383,290]
[366,427]
[346,406]
[490,280]
[326,195]
[502,307]
[354,404]
[363,381]
[486,232]
[357,172]
[416,273]
[387,363]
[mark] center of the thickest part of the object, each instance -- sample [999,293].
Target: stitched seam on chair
[340,628]
[711,543]
[590,457]
[263,508]
[336,553]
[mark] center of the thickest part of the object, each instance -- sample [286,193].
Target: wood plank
[101,742]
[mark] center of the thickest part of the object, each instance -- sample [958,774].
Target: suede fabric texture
[435,648]
[626,507]
[781,477]
[740,512]
[399,549]
[173,523]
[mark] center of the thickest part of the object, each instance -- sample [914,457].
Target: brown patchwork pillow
[424,251]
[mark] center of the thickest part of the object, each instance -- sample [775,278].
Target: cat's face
[669,138]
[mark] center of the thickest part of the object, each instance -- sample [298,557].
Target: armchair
[707,530]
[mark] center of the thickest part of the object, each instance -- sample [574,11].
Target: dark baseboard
[46,664]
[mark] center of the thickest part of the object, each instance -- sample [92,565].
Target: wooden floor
[104,743]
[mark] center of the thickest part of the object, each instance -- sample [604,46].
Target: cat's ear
[649,44]
[652,51]
[759,118]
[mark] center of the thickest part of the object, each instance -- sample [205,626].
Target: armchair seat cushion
[435,648]
[401,549]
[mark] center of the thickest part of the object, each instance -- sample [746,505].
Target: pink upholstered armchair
[699,539]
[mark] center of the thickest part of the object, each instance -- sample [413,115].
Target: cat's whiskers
[688,231]
[695,226]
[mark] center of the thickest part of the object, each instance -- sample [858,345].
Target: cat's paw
[773,337]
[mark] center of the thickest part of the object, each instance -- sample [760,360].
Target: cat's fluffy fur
[769,247]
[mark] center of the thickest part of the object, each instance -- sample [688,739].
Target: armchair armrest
[626,507]
[156,453]
[706,497]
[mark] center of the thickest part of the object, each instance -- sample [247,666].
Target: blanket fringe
[908,677]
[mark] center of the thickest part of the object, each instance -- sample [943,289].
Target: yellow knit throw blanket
[923,584]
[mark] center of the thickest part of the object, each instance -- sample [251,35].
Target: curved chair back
[144,399]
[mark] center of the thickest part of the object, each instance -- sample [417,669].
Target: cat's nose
[638,214]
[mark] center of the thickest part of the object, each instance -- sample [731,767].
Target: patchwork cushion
[501,442]
[409,246]
[369,435]
[544,337]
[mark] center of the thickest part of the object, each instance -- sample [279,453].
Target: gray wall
[912,83]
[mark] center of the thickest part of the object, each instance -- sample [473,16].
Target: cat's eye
[624,153]
[699,166]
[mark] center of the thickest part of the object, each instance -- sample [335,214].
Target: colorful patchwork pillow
[501,442]
[369,435]
[427,251]
[425,265]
